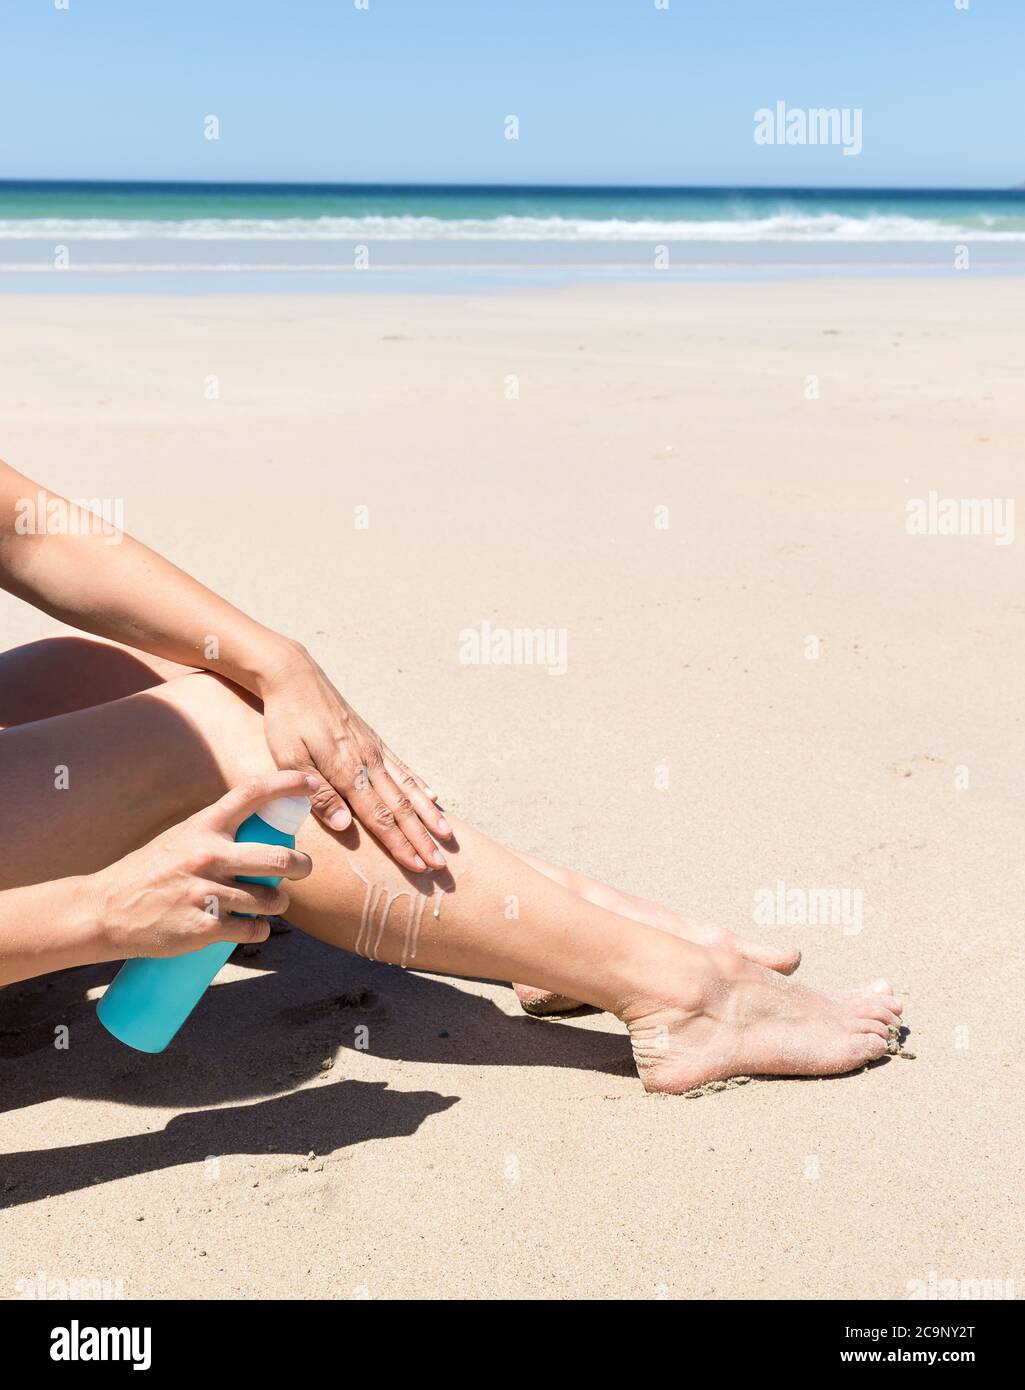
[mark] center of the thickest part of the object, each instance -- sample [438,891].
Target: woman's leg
[129,768]
[60,674]
[541,1002]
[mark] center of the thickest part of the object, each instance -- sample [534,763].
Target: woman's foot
[736,1018]
[781,959]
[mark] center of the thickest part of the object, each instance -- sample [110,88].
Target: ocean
[223,236]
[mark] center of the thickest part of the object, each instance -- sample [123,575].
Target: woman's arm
[102,581]
[106,583]
[48,926]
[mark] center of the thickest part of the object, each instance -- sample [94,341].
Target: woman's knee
[227,720]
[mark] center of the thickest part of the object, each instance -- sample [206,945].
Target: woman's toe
[880,1012]
[872,1046]
[879,987]
[874,1026]
[882,992]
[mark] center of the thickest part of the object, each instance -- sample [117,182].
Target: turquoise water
[324,213]
[268,231]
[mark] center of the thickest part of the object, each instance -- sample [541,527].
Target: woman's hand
[128,594]
[310,726]
[177,893]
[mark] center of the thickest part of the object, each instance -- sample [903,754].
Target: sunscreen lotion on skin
[150,998]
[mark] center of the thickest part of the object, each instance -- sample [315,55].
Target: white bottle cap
[285,813]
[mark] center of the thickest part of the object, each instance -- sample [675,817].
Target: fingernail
[444,826]
[312,784]
[419,862]
[339,821]
[431,794]
[438,859]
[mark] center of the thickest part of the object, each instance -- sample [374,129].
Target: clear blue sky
[606,91]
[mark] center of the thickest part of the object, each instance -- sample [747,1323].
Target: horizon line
[503,187]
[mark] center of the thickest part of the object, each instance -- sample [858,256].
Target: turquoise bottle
[149,999]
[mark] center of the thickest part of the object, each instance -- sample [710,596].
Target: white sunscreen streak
[416,916]
[365,915]
[377,904]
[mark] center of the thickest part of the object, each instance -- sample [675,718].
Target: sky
[418,91]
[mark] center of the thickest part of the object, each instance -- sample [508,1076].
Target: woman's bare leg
[60,674]
[542,1002]
[138,764]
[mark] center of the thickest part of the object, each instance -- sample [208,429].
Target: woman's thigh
[59,674]
[79,790]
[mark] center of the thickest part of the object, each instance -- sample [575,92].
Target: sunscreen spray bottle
[150,998]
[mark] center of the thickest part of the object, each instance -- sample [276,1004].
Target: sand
[330,1127]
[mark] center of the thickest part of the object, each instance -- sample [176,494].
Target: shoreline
[456,268]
